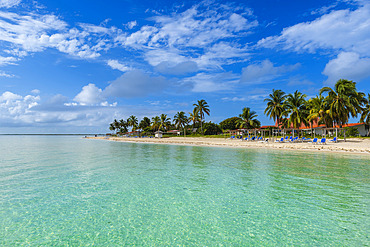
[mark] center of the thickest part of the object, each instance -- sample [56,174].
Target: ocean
[71,191]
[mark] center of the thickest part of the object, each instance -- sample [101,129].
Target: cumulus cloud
[130,25]
[347,30]
[89,95]
[264,72]
[347,65]
[31,32]
[115,64]
[204,33]
[54,114]
[135,83]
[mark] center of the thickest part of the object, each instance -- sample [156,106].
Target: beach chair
[293,140]
[334,140]
[281,140]
[314,141]
[232,137]
[322,141]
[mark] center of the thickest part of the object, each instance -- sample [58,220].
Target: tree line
[332,106]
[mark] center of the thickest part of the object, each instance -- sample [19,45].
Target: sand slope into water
[352,145]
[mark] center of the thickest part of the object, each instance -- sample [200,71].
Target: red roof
[316,125]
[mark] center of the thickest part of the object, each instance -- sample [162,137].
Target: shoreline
[351,146]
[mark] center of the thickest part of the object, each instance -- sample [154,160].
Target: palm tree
[194,116]
[202,107]
[365,116]
[247,119]
[155,123]
[344,100]
[123,126]
[319,111]
[296,108]
[111,127]
[181,121]
[116,124]
[275,105]
[144,123]
[132,121]
[165,122]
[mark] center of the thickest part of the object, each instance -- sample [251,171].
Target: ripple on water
[73,191]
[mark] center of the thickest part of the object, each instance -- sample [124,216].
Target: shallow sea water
[70,191]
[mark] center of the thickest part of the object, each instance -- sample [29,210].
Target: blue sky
[74,66]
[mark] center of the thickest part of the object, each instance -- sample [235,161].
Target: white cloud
[35,91]
[31,32]
[234,99]
[204,34]
[130,25]
[55,114]
[264,72]
[177,69]
[347,65]
[115,64]
[347,30]
[89,95]
[14,107]
[135,83]
[9,3]
[7,60]
[4,74]
[204,82]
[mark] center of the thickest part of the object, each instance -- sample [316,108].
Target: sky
[75,66]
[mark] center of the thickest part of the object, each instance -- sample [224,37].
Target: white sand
[352,145]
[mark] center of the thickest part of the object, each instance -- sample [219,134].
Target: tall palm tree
[319,111]
[344,101]
[365,116]
[296,108]
[116,124]
[132,121]
[144,123]
[165,122]
[156,122]
[194,116]
[123,126]
[248,119]
[111,127]
[275,105]
[181,121]
[202,108]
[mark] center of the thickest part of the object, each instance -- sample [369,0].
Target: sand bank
[352,145]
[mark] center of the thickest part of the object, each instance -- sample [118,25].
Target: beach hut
[158,134]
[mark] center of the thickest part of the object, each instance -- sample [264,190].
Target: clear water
[69,191]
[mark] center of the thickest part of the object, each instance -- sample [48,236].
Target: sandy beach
[352,145]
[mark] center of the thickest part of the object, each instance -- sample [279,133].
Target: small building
[178,132]
[158,134]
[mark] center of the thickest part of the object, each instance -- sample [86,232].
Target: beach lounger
[314,141]
[281,140]
[322,141]
[293,140]
[334,140]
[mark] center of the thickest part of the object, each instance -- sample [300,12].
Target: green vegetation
[333,106]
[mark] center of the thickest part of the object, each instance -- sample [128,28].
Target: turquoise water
[69,191]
